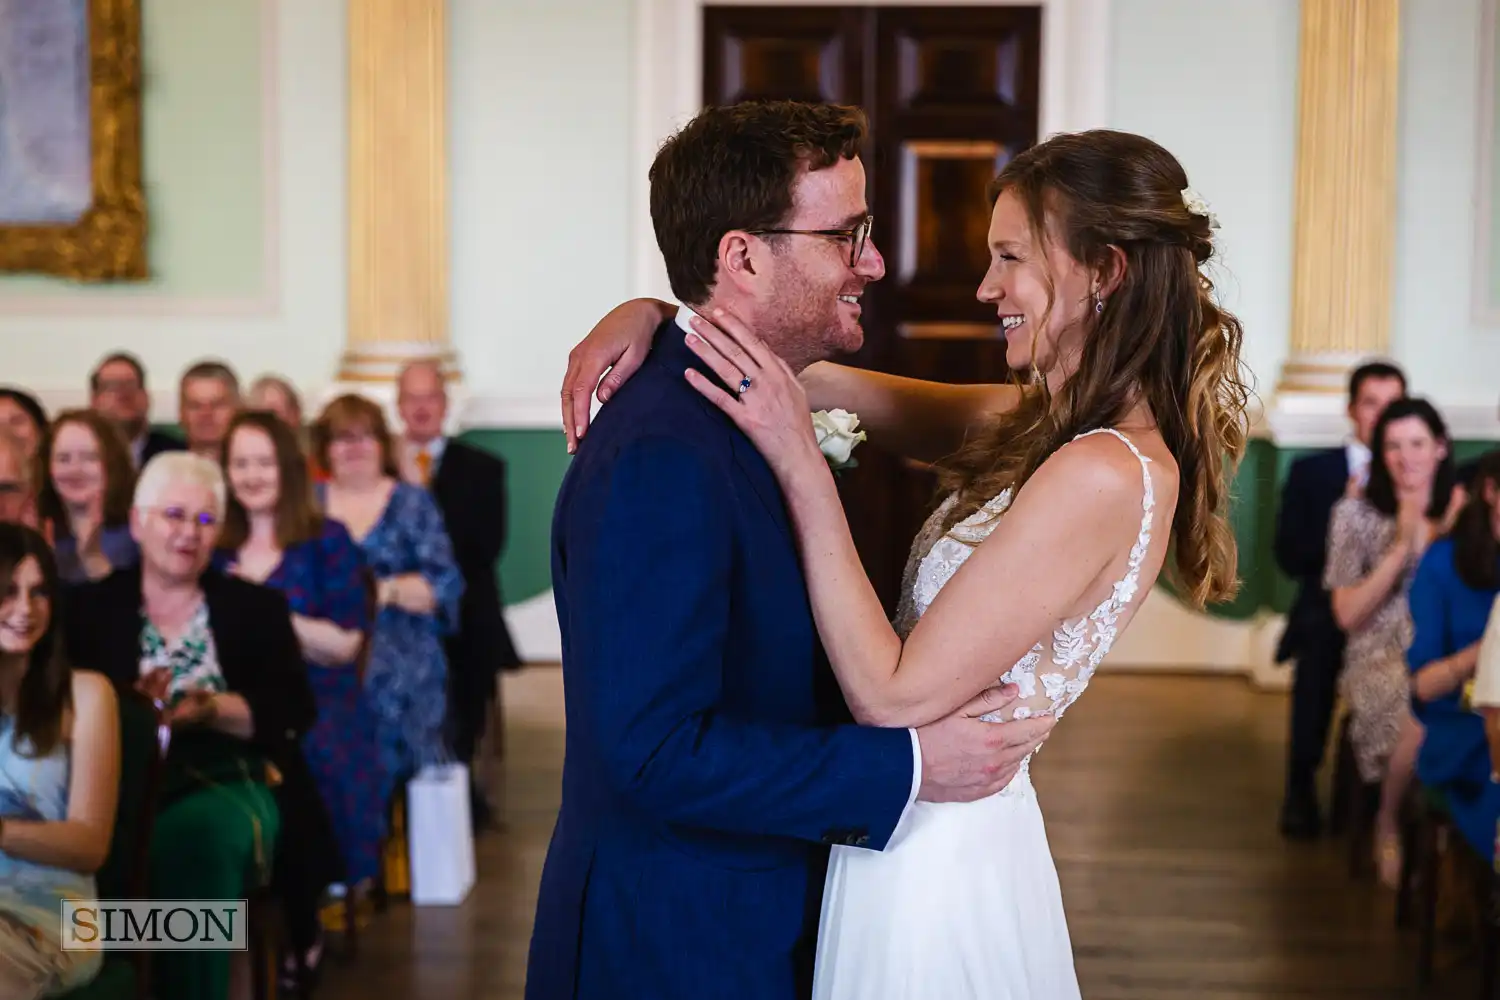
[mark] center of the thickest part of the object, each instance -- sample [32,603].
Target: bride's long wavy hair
[1161,339]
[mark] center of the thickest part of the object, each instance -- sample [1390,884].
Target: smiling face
[15,419]
[809,296]
[254,475]
[177,533]
[25,609]
[1041,295]
[77,465]
[1412,454]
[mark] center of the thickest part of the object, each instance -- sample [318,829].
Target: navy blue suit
[704,774]
[1312,637]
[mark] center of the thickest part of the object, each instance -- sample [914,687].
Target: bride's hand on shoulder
[766,400]
[617,344]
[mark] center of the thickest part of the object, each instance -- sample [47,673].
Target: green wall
[1256,492]
[535,462]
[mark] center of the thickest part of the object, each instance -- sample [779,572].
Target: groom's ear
[739,258]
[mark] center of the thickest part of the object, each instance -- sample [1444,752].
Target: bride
[1065,495]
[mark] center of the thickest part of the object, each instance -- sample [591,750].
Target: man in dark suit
[117,391]
[469,487]
[703,779]
[1312,637]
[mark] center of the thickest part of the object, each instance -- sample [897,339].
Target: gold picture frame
[108,240]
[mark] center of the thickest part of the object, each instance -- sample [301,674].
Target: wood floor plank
[1160,793]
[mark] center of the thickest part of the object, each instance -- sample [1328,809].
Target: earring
[1098,305]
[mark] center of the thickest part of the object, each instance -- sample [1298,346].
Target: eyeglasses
[857,237]
[178,517]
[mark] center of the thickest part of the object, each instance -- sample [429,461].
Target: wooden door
[951,94]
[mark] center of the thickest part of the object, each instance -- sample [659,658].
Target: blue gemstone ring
[744,385]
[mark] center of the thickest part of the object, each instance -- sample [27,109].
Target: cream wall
[1448,352]
[1216,83]
[541,184]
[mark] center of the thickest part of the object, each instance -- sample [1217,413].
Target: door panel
[951,94]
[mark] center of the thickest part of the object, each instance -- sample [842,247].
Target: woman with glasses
[220,657]
[406,544]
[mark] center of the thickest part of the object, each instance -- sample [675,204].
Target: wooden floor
[1160,794]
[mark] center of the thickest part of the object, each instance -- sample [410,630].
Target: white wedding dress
[964,902]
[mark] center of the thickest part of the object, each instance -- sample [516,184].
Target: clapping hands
[196,708]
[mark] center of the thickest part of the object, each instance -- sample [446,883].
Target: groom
[710,759]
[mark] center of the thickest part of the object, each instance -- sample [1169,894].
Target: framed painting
[71,200]
[1486,289]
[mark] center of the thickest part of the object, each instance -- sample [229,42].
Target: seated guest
[401,531]
[1450,599]
[220,656]
[18,484]
[23,416]
[1374,544]
[274,534]
[469,487]
[85,499]
[117,391]
[208,397]
[59,777]
[1312,637]
[274,393]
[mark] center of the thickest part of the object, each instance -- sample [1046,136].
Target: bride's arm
[1064,529]
[910,417]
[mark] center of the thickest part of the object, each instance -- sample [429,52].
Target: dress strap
[1126,587]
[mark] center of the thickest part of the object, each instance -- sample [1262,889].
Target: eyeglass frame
[856,249]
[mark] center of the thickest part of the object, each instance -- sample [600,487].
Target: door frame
[668,86]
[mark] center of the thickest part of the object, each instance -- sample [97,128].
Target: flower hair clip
[1197,205]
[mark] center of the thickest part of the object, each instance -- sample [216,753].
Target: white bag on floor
[439,835]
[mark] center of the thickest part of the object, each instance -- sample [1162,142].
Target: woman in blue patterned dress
[274,534]
[59,777]
[406,543]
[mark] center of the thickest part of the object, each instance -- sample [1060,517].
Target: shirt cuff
[916,780]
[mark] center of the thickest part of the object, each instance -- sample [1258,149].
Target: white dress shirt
[1357,454]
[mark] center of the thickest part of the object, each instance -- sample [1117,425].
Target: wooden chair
[1432,828]
[126,872]
[1355,805]
[361,664]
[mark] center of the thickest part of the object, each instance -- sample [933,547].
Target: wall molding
[1075,93]
[1484,309]
[470,411]
[132,301]
[1164,637]
[1304,421]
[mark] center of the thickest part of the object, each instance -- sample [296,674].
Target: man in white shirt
[469,485]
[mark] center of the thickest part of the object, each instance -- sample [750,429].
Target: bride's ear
[1110,273]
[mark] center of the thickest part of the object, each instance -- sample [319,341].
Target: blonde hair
[281,385]
[173,467]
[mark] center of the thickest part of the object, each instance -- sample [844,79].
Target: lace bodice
[1078,646]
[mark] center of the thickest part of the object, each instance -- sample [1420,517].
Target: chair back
[126,869]
[372,611]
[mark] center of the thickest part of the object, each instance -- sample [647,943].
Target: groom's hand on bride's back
[964,759]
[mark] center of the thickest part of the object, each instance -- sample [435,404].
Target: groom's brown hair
[733,167]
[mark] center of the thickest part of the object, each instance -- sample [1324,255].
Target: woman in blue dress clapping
[1450,599]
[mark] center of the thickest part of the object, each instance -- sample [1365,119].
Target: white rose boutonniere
[838,432]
